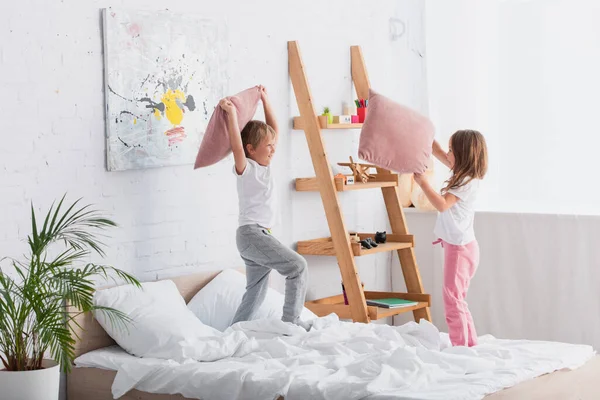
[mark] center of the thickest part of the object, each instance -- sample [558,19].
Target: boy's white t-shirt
[455,225]
[256,194]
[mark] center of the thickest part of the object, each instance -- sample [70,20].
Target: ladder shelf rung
[380,181]
[335,304]
[299,124]
[324,246]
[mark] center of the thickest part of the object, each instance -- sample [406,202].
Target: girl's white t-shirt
[455,225]
[256,195]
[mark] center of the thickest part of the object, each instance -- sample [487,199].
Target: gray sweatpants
[262,253]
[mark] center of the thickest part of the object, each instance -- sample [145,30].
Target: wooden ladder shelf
[339,244]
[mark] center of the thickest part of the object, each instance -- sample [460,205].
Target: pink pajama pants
[460,264]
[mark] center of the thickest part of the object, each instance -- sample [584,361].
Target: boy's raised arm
[235,137]
[269,113]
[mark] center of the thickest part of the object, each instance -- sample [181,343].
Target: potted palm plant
[36,340]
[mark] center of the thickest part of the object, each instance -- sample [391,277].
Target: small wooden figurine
[360,171]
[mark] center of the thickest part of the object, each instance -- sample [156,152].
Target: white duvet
[265,359]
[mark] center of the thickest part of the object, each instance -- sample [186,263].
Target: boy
[253,149]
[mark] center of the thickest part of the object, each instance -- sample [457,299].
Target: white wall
[549,62]
[525,74]
[175,220]
[538,277]
[462,74]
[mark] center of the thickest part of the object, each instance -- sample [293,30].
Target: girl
[467,158]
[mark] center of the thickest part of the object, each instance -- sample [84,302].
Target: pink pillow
[395,137]
[215,145]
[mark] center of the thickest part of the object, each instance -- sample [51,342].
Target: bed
[91,383]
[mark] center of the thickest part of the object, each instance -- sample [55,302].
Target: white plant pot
[42,384]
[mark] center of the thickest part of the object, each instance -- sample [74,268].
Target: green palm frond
[33,318]
[117,318]
[55,337]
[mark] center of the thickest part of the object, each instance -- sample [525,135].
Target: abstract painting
[164,74]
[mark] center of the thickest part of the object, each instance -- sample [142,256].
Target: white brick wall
[175,220]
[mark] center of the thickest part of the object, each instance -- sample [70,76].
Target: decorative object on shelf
[361,109]
[348,179]
[380,237]
[340,175]
[362,114]
[368,243]
[344,292]
[341,122]
[327,113]
[342,119]
[323,121]
[347,109]
[360,171]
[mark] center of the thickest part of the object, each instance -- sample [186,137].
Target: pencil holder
[362,113]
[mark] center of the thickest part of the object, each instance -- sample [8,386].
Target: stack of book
[391,303]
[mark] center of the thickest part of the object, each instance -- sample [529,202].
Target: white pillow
[216,303]
[161,327]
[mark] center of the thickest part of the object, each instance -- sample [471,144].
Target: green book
[391,303]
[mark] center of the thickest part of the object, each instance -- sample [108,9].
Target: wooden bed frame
[95,383]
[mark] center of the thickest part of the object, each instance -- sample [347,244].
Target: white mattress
[341,360]
[110,358]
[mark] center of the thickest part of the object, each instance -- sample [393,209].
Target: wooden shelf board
[388,246]
[391,237]
[380,312]
[335,304]
[299,125]
[311,185]
[368,185]
[324,246]
[420,297]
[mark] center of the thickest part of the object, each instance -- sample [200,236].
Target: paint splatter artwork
[164,74]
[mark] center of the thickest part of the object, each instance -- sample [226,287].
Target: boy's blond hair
[253,133]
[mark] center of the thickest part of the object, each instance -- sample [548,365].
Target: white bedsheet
[342,360]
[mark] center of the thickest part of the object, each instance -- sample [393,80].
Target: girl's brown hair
[253,133]
[470,158]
